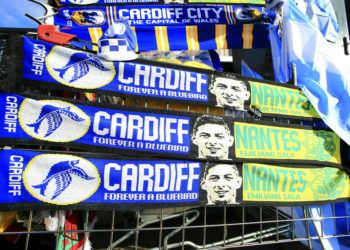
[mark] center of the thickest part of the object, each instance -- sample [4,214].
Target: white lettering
[15,175]
[148,128]
[145,177]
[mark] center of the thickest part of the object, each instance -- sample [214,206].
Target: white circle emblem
[61,179]
[53,120]
[79,69]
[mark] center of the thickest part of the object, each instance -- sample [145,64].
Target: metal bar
[29,229]
[204,226]
[243,219]
[293,223]
[251,237]
[225,226]
[294,74]
[137,229]
[183,229]
[167,228]
[160,229]
[260,216]
[86,225]
[307,227]
[277,232]
[58,214]
[112,230]
[178,229]
[143,225]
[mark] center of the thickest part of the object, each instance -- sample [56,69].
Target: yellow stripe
[220,36]
[232,14]
[107,14]
[95,35]
[162,38]
[134,31]
[115,13]
[192,37]
[247,35]
[225,9]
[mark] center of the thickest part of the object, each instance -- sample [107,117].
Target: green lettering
[280,94]
[256,91]
[241,136]
[265,138]
[297,145]
[285,178]
[285,139]
[273,180]
[261,174]
[275,132]
[269,95]
[302,181]
[249,177]
[291,94]
[294,181]
[254,138]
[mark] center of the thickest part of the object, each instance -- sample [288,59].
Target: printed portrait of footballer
[222,184]
[229,92]
[212,137]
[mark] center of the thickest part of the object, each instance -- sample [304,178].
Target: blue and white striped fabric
[322,15]
[158,28]
[323,70]
[117,43]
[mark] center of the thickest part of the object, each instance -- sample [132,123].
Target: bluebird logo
[53,120]
[61,173]
[53,116]
[55,178]
[79,69]
[80,64]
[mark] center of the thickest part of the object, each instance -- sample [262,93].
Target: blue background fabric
[321,68]
[106,175]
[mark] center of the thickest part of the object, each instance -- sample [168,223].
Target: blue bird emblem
[80,63]
[61,173]
[53,116]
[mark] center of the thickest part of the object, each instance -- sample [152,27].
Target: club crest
[322,146]
[328,183]
[61,179]
[83,1]
[53,120]
[79,69]
[88,17]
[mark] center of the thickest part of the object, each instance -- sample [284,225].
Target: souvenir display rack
[193,227]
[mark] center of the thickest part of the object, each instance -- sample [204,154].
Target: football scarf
[137,2]
[168,28]
[33,179]
[48,66]
[112,128]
